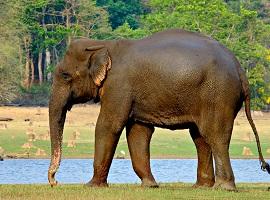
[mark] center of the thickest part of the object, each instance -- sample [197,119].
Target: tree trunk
[47,64]
[68,26]
[67,12]
[20,60]
[32,72]
[26,82]
[40,72]
[55,55]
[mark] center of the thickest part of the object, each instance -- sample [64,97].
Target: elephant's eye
[66,76]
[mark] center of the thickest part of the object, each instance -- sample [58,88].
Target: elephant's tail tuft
[265,167]
[245,88]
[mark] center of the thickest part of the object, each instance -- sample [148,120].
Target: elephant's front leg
[205,170]
[139,137]
[109,126]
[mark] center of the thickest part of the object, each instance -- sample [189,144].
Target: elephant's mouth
[69,106]
[77,100]
[86,97]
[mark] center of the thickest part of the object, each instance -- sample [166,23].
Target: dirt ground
[81,113]
[85,113]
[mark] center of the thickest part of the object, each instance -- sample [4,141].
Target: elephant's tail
[245,87]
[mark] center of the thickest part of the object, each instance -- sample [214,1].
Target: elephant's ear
[100,63]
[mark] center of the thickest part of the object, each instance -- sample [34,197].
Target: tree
[35,33]
[122,11]
[51,25]
[126,32]
[262,7]
[10,51]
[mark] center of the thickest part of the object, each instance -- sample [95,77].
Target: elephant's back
[179,47]
[180,54]
[178,38]
[178,70]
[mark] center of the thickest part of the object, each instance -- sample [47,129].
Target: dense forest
[34,35]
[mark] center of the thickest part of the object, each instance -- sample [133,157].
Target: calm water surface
[29,171]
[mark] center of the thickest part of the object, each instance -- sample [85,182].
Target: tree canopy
[121,11]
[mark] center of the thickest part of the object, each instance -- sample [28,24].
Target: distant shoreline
[128,158]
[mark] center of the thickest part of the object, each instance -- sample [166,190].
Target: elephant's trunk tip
[51,178]
[265,167]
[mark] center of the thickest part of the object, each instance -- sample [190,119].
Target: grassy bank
[129,192]
[81,120]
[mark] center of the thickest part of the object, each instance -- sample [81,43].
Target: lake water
[30,171]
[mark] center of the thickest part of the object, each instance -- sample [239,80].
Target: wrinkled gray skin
[173,79]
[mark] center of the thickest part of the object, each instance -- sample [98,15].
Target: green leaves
[10,66]
[123,11]
[125,32]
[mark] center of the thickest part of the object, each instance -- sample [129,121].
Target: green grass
[164,144]
[130,192]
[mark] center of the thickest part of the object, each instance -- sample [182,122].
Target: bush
[37,95]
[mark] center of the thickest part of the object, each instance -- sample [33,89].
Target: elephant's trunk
[57,115]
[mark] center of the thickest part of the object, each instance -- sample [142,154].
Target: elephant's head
[76,80]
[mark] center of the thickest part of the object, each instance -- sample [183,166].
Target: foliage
[10,66]
[122,11]
[44,29]
[51,22]
[261,6]
[37,95]
[126,32]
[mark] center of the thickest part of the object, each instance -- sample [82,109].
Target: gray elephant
[173,79]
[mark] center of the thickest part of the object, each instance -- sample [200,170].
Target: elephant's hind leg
[218,135]
[205,170]
[138,137]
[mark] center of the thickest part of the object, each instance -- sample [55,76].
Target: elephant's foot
[151,183]
[93,183]
[204,183]
[226,185]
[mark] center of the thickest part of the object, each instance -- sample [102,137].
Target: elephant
[173,79]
